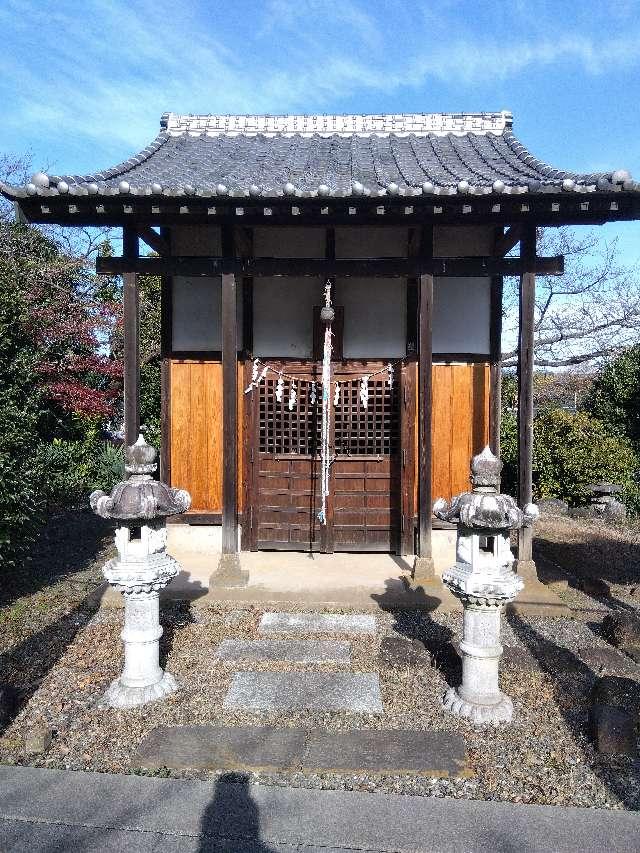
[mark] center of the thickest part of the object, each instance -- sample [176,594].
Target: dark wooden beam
[229,415]
[525,564]
[131,324]
[229,572]
[495,347]
[507,240]
[154,240]
[423,569]
[166,323]
[360,268]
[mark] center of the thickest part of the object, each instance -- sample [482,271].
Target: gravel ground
[64,653]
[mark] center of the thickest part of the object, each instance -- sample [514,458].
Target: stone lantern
[141,569]
[484,580]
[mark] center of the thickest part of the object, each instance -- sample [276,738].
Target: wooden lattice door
[368,473]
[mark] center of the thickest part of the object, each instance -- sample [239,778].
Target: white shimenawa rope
[325,460]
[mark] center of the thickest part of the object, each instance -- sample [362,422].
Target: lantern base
[499,712]
[119,695]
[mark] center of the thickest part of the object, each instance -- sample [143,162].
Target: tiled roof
[338,156]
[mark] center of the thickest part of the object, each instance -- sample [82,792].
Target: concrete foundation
[358,581]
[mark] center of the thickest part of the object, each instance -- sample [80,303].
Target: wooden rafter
[508,240]
[154,240]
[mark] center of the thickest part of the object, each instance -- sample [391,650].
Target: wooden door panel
[363,510]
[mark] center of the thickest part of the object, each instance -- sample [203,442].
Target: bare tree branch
[589,314]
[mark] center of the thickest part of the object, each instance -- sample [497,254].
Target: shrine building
[401,227]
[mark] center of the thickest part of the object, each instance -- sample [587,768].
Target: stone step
[317,623]
[266,748]
[291,651]
[305,691]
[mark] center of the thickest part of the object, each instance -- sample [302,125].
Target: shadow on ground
[69,543]
[232,820]
[572,681]
[416,624]
[596,557]
[24,667]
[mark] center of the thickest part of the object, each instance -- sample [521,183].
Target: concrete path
[54,810]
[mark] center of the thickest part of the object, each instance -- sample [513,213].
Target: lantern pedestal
[479,697]
[140,571]
[484,581]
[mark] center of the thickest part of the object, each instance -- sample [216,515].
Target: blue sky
[83,84]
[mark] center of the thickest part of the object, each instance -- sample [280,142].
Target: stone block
[613,730]
[292,651]
[553,507]
[266,748]
[603,661]
[622,629]
[308,691]
[400,651]
[38,740]
[249,748]
[317,623]
[617,692]
[423,753]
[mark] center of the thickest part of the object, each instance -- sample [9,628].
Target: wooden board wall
[460,424]
[460,428]
[196,432]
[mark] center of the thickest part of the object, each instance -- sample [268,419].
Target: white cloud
[105,70]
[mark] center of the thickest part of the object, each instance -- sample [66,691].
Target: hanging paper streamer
[312,394]
[364,391]
[293,396]
[336,395]
[279,387]
[325,460]
[390,375]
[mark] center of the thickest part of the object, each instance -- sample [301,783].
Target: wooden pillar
[495,346]
[525,564]
[131,324]
[229,572]
[423,569]
[166,343]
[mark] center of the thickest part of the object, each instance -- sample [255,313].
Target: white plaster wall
[289,242]
[376,242]
[461,315]
[451,241]
[462,306]
[375,316]
[199,240]
[283,316]
[197,305]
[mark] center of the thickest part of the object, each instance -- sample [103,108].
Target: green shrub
[75,468]
[570,451]
[614,396]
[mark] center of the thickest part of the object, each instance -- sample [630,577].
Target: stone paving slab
[400,651]
[221,748]
[424,753]
[300,691]
[255,748]
[292,651]
[317,623]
